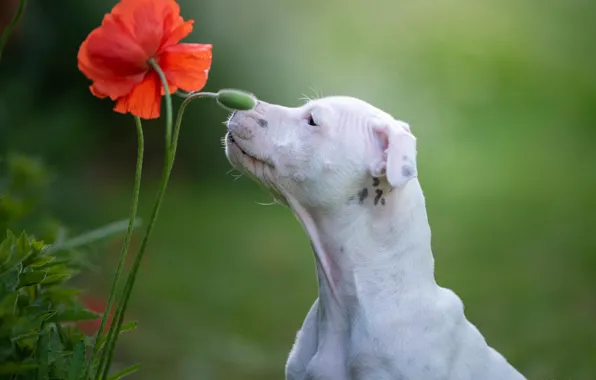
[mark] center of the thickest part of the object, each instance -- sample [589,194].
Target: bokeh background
[502,97]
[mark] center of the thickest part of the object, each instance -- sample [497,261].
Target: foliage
[39,311]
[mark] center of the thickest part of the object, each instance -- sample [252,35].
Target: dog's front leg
[305,346]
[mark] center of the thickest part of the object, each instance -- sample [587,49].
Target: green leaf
[30,319]
[64,338]
[94,236]
[38,245]
[9,304]
[60,366]
[42,350]
[55,347]
[60,268]
[10,279]
[31,278]
[77,361]
[23,245]
[11,236]
[9,368]
[57,356]
[60,295]
[74,315]
[42,261]
[22,248]
[125,372]
[128,326]
[6,251]
[56,278]
[26,342]
[56,263]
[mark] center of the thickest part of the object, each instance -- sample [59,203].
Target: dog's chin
[258,170]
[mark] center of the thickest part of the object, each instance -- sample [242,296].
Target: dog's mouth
[231,140]
[246,154]
[260,170]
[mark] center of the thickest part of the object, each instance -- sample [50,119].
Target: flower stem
[13,23]
[125,245]
[169,162]
[169,157]
[187,99]
[183,94]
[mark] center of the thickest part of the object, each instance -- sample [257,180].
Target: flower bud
[236,100]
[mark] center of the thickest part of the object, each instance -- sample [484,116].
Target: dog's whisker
[267,204]
[318,93]
[305,98]
[234,174]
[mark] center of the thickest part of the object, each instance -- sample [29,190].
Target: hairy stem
[125,245]
[169,162]
[187,99]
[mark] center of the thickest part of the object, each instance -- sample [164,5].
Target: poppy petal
[143,21]
[144,100]
[113,63]
[96,92]
[186,66]
[152,23]
[171,87]
[110,51]
[176,32]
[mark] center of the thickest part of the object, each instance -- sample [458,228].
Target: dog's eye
[311,121]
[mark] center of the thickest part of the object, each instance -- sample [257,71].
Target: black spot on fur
[376,181]
[262,122]
[362,195]
[407,171]
[379,194]
[383,201]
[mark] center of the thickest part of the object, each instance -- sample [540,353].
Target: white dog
[348,172]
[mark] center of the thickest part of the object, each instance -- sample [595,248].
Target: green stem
[184,94]
[164,81]
[187,99]
[125,246]
[13,23]
[169,162]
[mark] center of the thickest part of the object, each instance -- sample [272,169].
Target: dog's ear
[396,153]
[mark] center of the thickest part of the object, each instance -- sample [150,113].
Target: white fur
[380,314]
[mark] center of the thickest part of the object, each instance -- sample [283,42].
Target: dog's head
[323,152]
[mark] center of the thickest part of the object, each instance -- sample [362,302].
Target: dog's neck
[377,248]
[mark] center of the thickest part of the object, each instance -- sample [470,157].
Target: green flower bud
[236,100]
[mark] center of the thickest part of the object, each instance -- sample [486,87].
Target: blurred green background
[502,97]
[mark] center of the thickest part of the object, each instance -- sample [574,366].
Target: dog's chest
[389,356]
[365,352]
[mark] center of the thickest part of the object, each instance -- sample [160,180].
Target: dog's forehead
[350,104]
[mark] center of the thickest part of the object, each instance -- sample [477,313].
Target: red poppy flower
[115,56]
